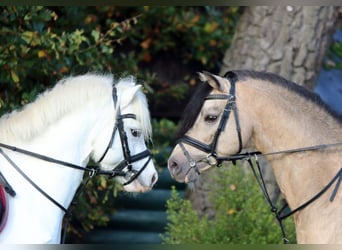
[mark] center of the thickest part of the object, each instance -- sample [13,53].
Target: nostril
[173,168]
[173,165]
[154,179]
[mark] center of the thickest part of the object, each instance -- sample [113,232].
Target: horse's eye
[210,118]
[135,132]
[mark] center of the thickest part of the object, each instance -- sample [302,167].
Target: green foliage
[184,224]
[334,60]
[164,131]
[193,33]
[94,204]
[242,214]
[42,44]
[38,47]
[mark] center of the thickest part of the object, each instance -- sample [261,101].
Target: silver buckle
[130,174]
[211,159]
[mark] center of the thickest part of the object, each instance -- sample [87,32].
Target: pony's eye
[210,118]
[135,132]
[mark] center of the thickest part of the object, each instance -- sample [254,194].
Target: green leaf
[28,36]
[14,76]
[96,35]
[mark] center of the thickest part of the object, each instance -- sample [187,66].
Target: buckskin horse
[298,134]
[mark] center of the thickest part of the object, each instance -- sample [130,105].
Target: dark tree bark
[287,40]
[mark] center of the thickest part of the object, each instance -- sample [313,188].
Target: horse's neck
[69,139]
[283,120]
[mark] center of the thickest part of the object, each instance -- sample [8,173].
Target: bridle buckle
[212,160]
[92,172]
[192,164]
[130,174]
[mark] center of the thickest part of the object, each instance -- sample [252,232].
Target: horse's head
[210,128]
[127,155]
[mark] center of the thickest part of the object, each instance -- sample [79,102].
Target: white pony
[73,122]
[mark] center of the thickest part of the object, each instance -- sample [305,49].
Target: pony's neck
[283,120]
[70,138]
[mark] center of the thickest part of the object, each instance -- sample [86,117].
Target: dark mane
[196,102]
[300,90]
[193,108]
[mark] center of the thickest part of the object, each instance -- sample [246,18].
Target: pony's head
[127,154]
[210,121]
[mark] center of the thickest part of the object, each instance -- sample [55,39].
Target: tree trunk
[287,40]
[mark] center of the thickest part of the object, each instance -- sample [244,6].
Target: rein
[213,159]
[123,169]
[258,176]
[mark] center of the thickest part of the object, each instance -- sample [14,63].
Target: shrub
[242,214]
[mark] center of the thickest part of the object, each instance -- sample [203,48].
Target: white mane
[67,95]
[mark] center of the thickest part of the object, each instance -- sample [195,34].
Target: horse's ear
[214,81]
[128,95]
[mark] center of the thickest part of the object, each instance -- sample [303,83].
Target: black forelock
[193,108]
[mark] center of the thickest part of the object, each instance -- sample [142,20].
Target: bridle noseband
[124,168]
[212,158]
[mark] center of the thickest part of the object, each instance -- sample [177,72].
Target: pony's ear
[214,81]
[128,95]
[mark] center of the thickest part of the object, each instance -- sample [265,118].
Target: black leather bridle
[212,158]
[124,168]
